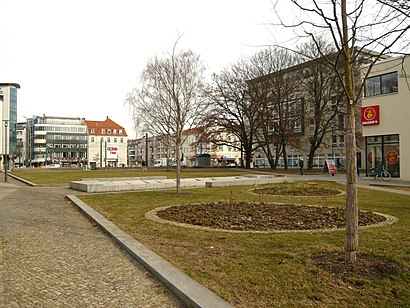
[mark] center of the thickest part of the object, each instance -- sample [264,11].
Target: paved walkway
[52,256]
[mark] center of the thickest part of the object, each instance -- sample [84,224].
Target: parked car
[53,166]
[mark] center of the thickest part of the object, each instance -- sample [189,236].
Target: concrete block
[138,185]
[78,185]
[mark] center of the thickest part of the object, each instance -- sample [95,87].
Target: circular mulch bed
[296,191]
[262,217]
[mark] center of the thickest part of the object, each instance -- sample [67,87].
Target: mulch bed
[246,216]
[365,268]
[296,191]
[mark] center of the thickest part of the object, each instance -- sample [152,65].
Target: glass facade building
[56,140]
[8,122]
[13,122]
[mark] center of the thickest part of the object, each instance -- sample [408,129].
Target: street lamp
[6,159]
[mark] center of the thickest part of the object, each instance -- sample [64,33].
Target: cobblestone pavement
[52,256]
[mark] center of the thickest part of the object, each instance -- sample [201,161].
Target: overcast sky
[80,58]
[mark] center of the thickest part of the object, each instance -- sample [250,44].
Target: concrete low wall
[248,181]
[154,177]
[96,185]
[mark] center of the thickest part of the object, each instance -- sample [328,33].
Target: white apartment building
[385,117]
[107,144]
[194,152]
[219,155]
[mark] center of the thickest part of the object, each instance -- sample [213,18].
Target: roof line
[8,84]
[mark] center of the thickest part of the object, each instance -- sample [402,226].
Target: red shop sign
[370,115]
[392,157]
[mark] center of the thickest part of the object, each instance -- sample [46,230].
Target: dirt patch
[296,191]
[365,268]
[246,216]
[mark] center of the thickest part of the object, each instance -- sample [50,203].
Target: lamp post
[6,159]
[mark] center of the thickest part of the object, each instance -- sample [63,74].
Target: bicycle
[373,173]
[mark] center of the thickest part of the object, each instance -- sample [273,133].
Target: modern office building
[56,140]
[8,117]
[385,117]
[107,144]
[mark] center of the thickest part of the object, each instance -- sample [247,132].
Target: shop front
[383,151]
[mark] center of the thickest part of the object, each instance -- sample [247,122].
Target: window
[122,140]
[103,131]
[297,127]
[342,140]
[120,131]
[108,131]
[92,139]
[92,130]
[341,121]
[108,139]
[382,84]
[311,125]
[333,103]
[293,160]
[114,131]
[334,140]
[115,140]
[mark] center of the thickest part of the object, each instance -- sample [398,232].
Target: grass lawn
[270,269]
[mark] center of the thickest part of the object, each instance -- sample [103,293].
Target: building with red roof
[107,144]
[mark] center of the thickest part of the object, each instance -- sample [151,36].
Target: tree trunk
[352,234]
[277,155]
[312,152]
[178,166]
[248,154]
[285,156]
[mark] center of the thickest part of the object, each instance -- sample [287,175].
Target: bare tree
[353,27]
[169,98]
[324,96]
[232,111]
[272,92]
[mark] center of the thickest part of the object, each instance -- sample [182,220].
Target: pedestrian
[301,165]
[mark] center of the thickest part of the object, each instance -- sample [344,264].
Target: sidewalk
[362,182]
[51,255]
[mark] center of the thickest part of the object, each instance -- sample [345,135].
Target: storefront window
[371,140]
[383,150]
[391,138]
